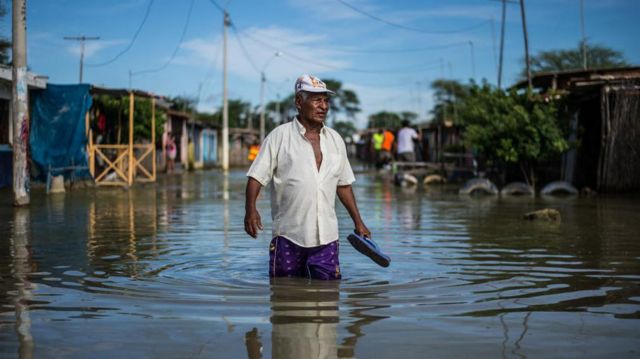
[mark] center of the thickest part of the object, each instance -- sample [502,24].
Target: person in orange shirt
[387,145]
[253,151]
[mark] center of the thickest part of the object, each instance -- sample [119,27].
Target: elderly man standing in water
[306,165]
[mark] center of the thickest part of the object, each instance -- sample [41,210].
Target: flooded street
[166,270]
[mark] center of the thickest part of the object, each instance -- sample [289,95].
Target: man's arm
[252,221]
[345,194]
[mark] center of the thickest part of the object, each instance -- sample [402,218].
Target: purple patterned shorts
[287,259]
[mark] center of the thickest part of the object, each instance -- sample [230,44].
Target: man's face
[314,109]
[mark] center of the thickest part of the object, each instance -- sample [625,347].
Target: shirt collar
[302,130]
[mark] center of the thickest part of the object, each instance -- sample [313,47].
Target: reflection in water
[304,318]
[166,270]
[22,293]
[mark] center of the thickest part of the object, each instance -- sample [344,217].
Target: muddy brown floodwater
[166,270]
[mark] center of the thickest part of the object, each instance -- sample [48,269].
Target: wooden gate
[123,163]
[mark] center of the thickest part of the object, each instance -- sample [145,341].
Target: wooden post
[153,138]
[131,109]
[90,153]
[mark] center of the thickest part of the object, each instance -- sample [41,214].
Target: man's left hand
[362,230]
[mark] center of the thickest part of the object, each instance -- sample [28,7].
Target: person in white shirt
[406,136]
[305,163]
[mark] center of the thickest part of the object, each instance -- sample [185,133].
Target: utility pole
[225,101]
[504,15]
[473,61]
[493,42]
[526,43]
[278,109]
[82,39]
[263,79]
[584,40]
[19,103]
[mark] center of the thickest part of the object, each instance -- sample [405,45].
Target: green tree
[598,57]
[408,116]
[5,44]
[240,113]
[448,95]
[385,119]
[184,104]
[345,101]
[345,129]
[116,109]
[282,110]
[507,127]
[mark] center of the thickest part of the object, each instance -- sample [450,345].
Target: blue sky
[389,67]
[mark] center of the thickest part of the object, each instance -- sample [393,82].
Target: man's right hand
[252,223]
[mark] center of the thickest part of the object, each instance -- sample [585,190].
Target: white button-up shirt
[302,196]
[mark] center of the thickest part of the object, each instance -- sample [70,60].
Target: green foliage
[116,107]
[142,119]
[598,57]
[184,104]
[240,113]
[345,100]
[345,129]
[448,94]
[508,127]
[281,110]
[408,116]
[385,119]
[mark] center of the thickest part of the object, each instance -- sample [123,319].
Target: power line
[244,50]
[175,51]
[82,40]
[218,6]
[397,51]
[414,68]
[404,27]
[376,50]
[133,40]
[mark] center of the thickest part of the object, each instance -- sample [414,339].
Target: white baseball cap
[310,83]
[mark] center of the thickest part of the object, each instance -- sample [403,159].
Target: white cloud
[92,47]
[300,53]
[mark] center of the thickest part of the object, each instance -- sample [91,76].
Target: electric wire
[244,50]
[408,28]
[416,68]
[175,51]
[222,10]
[375,51]
[133,39]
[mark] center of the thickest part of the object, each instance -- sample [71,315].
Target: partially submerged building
[604,118]
[34,82]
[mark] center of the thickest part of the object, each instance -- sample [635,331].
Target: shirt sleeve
[346,175]
[264,165]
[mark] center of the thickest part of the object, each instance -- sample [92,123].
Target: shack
[121,137]
[239,141]
[603,107]
[205,141]
[177,127]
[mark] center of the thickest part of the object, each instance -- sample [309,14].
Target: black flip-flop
[369,248]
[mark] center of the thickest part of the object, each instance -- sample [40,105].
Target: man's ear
[298,100]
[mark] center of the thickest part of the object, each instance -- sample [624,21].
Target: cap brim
[316,90]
